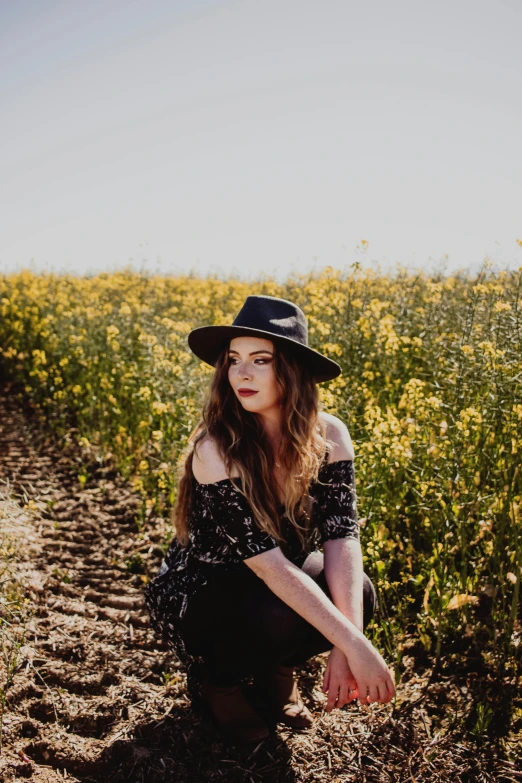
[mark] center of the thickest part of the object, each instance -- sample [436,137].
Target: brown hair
[242,443]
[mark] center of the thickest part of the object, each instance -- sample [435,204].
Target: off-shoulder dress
[223,533]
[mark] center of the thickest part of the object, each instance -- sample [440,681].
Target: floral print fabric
[223,533]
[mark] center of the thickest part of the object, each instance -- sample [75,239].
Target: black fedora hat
[269,317]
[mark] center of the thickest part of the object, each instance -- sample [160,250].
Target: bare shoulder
[207,464]
[338,433]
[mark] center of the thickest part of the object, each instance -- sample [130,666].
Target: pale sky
[260,135]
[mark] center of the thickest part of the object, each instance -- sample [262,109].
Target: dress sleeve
[337,502]
[237,536]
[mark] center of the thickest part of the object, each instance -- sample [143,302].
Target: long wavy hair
[244,446]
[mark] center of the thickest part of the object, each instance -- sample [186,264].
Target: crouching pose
[265,568]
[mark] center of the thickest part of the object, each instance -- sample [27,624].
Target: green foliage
[430,391]
[135,563]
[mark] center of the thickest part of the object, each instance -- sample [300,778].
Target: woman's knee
[276,624]
[242,606]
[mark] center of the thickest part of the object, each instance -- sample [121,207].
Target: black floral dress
[223,533]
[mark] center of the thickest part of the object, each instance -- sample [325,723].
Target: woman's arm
[343,563]
[297,589]
[304,596]
[343,569]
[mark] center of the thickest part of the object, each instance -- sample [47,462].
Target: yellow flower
[184,357]
[39,357]
[148,339]
[159,407]
[470,414]
[500,307]
[333,349]
[137,484]
[112,331]
[157,435]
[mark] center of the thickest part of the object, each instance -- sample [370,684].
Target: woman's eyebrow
[253,352]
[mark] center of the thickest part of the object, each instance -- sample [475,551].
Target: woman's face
[251,363]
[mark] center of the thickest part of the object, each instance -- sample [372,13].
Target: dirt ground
[96,697]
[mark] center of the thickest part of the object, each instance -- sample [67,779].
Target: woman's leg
[240,626]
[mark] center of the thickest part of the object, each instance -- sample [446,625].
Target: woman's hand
[339,680]
[372,675]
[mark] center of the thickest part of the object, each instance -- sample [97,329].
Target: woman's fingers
[341,693]
[326,680]
[344,696]
[390,689]
[332,698]
[374,689]
[362,688]
[386,691]
[380,692]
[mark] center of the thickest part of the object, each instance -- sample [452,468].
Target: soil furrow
[90,650]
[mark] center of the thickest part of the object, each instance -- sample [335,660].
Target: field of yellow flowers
[431,393]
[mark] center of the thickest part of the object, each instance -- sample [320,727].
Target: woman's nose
[243,371]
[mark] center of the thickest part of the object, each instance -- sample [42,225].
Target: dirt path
[94,671]
[91,702]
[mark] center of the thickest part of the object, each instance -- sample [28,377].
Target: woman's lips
[247,393]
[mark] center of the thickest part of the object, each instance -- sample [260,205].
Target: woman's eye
[232,361]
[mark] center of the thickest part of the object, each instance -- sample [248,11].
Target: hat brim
[206,342]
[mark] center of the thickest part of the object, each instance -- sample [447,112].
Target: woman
[267,480]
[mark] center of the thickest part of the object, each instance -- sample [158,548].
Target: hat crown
[265,317]
[278,316]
